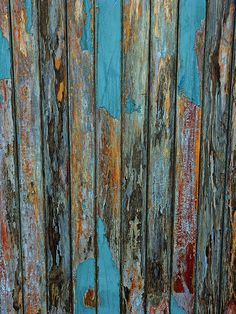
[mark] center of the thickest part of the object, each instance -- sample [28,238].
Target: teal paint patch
[131,106]
[175,308]
[108,275]
[86,39]
[108,55]
[193,13]
[5,58]
[85,279]
[28,7]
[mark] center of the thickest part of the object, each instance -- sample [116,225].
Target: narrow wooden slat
[135,54]
[52,26]
[161,151]
[82,128]
[188,122]
[25,47]
[10,251]
[108,75]
[227,289]
[219,39]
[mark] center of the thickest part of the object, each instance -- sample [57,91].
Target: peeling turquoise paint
[108,275]
[28,7]
[189,24]
[175,308]
[85,279]
[108,55]
[131,106]
[86,39]
[5,61]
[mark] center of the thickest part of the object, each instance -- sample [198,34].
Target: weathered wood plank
[82,129]
[161,152]
[52,26]
[135,49]
[10,250]
[25,47]
[108,76]
[228,284]
[218,55]
[188,121]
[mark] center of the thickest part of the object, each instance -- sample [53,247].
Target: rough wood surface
[53,69]
[218,54]
[26,81]
[108,157]
[135,50]
[10,251]
[188,124]
[161,151]
[228,284]
[82,131]
[112,114]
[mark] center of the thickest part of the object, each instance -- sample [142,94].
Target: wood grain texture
[108,157]
[218,55]
[135,50]
[82,130]
[25,46]
[228,284]
[188,124]
[52,26]
[10,250]
[161,151]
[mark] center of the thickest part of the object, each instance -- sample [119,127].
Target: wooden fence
[117,156]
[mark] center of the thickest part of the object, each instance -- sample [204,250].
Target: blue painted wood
[108,76]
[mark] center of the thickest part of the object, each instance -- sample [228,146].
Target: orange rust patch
[57,63]
[4,240]
[129,36]
[60,93]
[89,298]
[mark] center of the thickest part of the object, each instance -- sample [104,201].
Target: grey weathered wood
[135,56]
[26,81]
[161,151]
[218,57]
[53,79]
[10,249]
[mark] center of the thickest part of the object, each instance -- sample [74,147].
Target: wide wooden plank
[218,57]
[53,70]
[135,52]
[108,104]
[10,250]
[26,81]
[82,129]
[161,151]
[191,30]
[227,289]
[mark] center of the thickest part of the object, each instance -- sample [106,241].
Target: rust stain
[130,36]
[4,238]
[57,63]
[90,298]
[60,92]
[110,156]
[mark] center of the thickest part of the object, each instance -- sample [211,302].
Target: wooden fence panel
[188,125]
[53,72]
[80,15]
[228,293]
[108,153]
[163,55]
[134,120]
[26,82]
[10,250]
[217,73]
